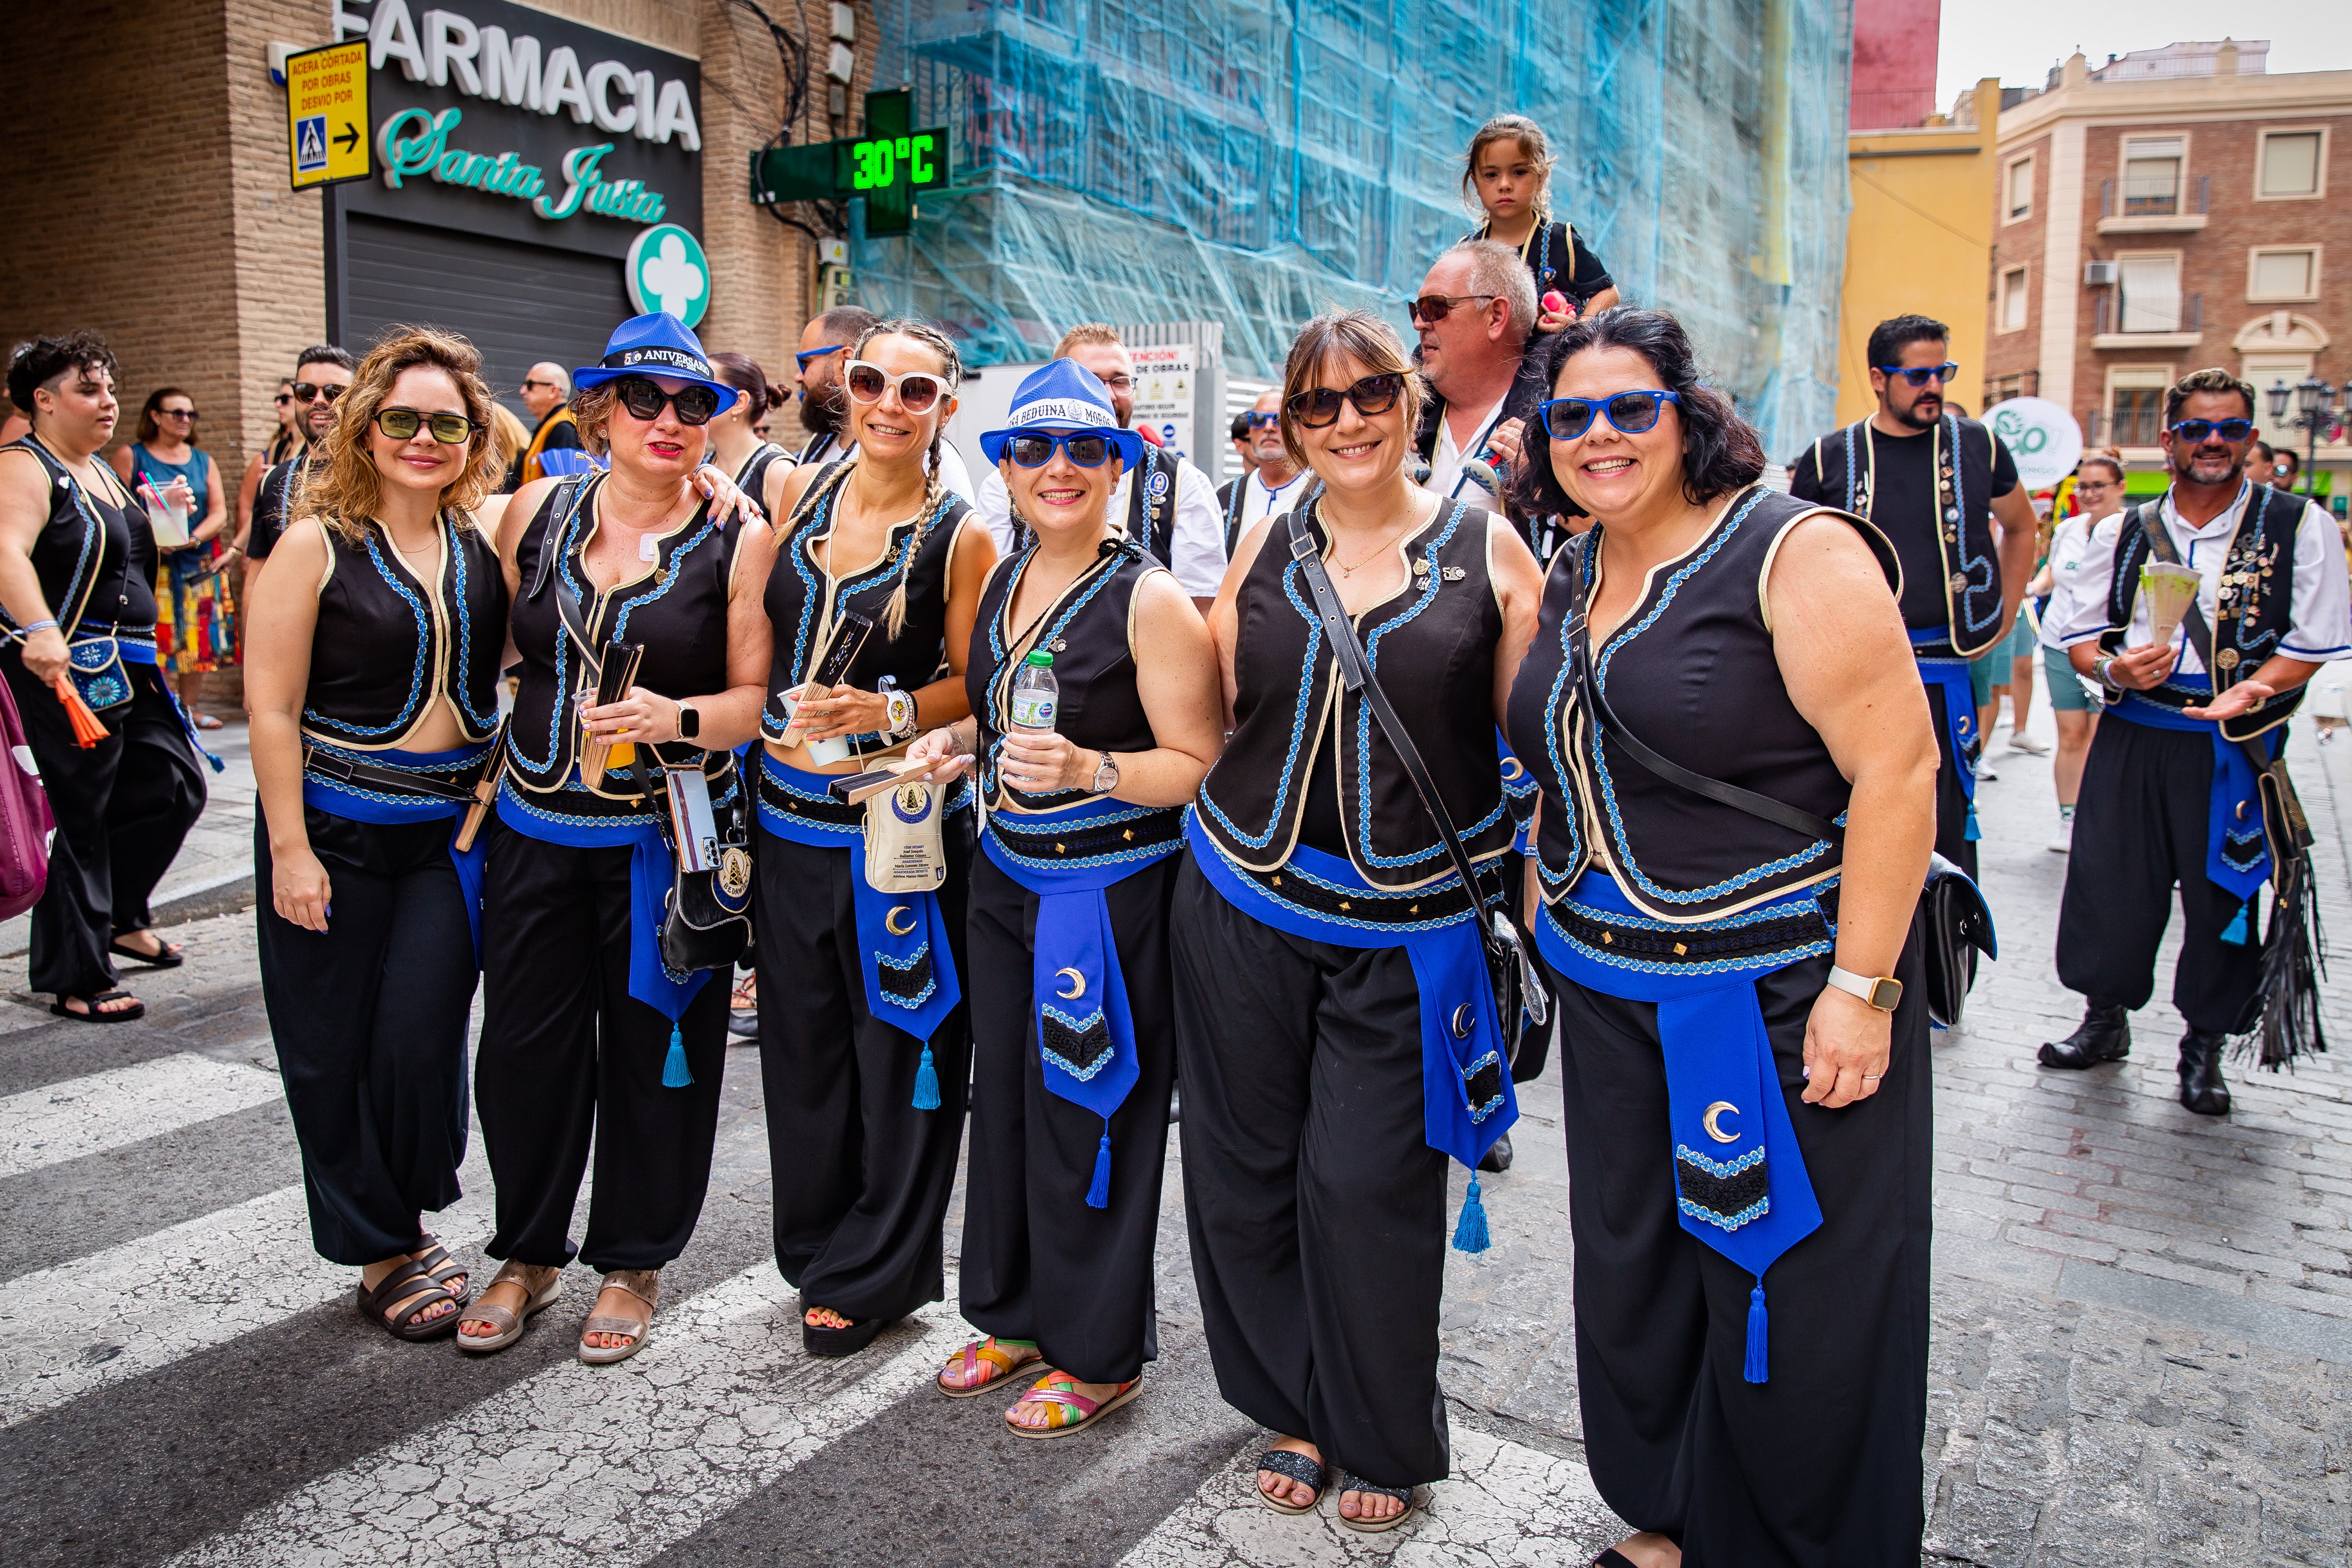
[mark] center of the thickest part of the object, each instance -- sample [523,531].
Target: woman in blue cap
[863,1048]
[589,1039]
[1333,1016]
[1073,1042]
[1744,1056]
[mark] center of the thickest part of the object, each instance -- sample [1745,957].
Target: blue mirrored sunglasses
[1035,449]
[809,356]
[1920,374]
[1259,421]
[1567,418]
[2227,429]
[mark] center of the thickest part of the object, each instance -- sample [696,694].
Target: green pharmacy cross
[887,165]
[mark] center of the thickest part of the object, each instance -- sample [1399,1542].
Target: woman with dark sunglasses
[864,1050]
[1734,989]
[1074,1051]
[368,944]
[1331,994]
[590,1039]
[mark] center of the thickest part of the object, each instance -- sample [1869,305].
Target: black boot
[2202,1089]
[1499,1158]
[2103,1035]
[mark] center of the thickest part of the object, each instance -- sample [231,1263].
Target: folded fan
[2170,591]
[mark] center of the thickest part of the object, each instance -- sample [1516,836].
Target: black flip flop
[1291,1465]
[399,1287]
[840,1342]
[1349,1482]
[119,1015]
[167,957]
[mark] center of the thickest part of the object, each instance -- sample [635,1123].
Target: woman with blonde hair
[863,1047]
[373,661]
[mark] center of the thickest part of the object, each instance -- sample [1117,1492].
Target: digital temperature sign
[887,165]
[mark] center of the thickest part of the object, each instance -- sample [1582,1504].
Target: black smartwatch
[689,722]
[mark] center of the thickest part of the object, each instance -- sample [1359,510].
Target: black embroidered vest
[1433,650]
[919,549]
[1956,547]
[675,608]
[2257,603]
[752,478]
[1691,673]
[95,560]
[1089,630]
[389,647]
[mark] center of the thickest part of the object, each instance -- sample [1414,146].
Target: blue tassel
[1974,832]
[2238,934]
[1470,1230]
[674,1071]
[1099,1191]
[1755,1370]
[927,1082]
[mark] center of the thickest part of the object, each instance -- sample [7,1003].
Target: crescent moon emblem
[890,921]
[1077,985]
[1707,1120]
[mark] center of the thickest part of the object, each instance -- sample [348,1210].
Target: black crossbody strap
[1589,689]
[2161,545]
[1357,671]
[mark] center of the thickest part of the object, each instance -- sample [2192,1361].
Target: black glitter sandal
[1351,1482]
[1291,1465]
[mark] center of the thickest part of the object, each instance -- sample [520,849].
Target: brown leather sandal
[399,1296]
[645,1284]
[541,1286]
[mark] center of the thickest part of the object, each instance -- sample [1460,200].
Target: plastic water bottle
[1035,694]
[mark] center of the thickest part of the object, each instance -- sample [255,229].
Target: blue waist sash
[1739,1178]
[1960,710]
[910,974]
[1085,1034]
[1466,1096]
[138,647]
[651,873]
[1521,790]
[358,802]
[2237,850]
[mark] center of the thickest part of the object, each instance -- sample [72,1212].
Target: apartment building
[2173,209]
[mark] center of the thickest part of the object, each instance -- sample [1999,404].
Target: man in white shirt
[1274,484]
[1166,503]
[2171,792]
[1474,313]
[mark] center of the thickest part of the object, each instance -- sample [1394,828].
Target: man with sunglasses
[1474,315]
[1944,490]
[320,376]
[2176,792]
[555,449]
[1273,483]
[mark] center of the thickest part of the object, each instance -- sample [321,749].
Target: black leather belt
[342,770]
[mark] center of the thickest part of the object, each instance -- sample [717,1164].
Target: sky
[2020,40]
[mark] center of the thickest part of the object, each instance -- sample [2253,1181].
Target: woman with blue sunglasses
[1074,1049]
[1731,983]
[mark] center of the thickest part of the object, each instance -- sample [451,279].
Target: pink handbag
[24,820]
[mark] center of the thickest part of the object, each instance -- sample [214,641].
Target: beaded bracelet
[40,627]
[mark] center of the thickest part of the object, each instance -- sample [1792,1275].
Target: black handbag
[1518,989]
[1957,925]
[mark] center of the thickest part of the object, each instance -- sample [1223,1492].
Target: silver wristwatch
[1105,775]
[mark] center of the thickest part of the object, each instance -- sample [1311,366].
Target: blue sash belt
[910,974]
[358,802]
[1959,710]
[1739,1178]
[1466,1096]
[1521,790]
[1085,1036]
[651,874]
[136,649]
[2237,850]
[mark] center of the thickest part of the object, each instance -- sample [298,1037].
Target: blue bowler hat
[1063,395]
[655,344]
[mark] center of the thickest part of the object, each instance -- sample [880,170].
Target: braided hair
[894,618]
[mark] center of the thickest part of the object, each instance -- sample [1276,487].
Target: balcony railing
[2191,318]
[2152,198]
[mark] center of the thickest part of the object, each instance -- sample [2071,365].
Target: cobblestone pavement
[2143,1327]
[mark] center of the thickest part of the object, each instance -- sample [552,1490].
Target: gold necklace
[1347,571]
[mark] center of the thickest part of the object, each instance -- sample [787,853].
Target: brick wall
[2023,243]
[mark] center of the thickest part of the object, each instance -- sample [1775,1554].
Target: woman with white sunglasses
[863,1047]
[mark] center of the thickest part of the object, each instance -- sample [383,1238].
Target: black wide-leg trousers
[122,809]
[2141,828]
[1317,1210]
[862,1178]
[1952,840]
[369,1018]
[1818,1467]
[570,1062]
[1038,1264]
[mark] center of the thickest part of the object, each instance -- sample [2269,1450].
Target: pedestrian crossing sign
[311,144]
[327,115]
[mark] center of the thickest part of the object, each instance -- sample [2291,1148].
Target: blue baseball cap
[655,344]
[1063,395]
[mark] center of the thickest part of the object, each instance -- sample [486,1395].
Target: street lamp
[2278,395]
[2312,396]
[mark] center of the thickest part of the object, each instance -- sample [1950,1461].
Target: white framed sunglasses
[919,390]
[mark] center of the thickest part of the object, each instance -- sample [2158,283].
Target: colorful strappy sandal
[1406,1495]
[992,1351]
[1071,1410]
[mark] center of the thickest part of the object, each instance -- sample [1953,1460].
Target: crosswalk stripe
[70,1330]
[589,1465]
[66,1121]
[1544,1508]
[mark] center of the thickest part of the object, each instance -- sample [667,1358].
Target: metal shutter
[518,304]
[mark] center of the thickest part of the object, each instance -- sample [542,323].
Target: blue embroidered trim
[919,959]
[1398,929]
[1756,1210]
[407,714]
[1076,1026]
[1004,672]
[1586,545]
[1754,963]
[1719,1168]
[1491,1059]
[557,538]
[460,688]
[1297,720]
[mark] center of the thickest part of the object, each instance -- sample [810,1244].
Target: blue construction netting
[1254,163]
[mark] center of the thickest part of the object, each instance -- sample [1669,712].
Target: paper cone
[2170,591]
[87,731]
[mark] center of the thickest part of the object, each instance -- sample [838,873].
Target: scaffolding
[1252,163]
